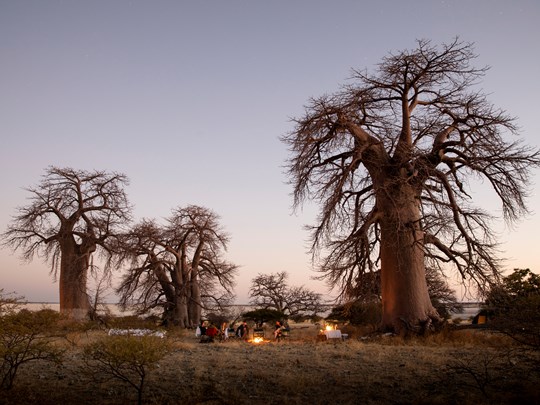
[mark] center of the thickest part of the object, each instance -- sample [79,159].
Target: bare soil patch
[465,367]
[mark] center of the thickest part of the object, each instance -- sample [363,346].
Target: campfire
[328,327]
[257,339]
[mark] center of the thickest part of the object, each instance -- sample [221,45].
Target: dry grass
[466,367]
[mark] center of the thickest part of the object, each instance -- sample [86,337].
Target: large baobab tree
[388,158]
[71,215]
[179,266]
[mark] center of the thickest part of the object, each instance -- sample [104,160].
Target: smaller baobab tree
[149,281]
[203,243]
[71,215]
[179,266]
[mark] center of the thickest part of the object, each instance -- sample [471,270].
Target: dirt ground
[470,368]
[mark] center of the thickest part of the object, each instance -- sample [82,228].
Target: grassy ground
[459,367]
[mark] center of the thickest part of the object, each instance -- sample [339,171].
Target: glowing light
[258,340]
[329,327]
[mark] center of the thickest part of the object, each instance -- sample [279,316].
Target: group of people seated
[208,332]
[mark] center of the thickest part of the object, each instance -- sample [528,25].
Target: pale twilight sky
[188,99]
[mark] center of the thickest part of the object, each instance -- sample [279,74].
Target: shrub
[9,303]
[264,315]
[299,318]
[217,318]
[23,338]
[515,305]
[358,313]
[126,358]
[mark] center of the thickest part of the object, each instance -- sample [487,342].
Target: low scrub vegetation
[514,307]
[126,358]
[73,363]
[25,337]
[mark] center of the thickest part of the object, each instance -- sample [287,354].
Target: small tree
[515,305]
[126,358]
[260,316]
[71,215]
[98,307]
[23,338]
[270,291]
[9,303]
[365,313]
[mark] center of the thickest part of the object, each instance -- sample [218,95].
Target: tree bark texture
[74,264]
[195,304]
[405,299]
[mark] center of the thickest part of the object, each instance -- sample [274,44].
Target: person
[240,330]
[224,331]
[201,332]
[246,331]
[243,331]
[211,333]
[202,328]
[285,329]
[277,331]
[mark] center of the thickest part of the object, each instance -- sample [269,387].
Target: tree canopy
[71,214]
[178,266]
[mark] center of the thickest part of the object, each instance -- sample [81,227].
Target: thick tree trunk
[175,312]
[179,281]
[195,305]
[180,311]
[74,301]
[405,298]
[175,309]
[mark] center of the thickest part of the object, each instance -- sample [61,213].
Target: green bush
[264,315]
[515,307]
[24,338]
[358,313]
[126,358]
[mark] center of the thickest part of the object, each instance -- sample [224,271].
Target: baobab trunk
[180,315]
[195,304]
[74,301]
[175,310]
[406,304]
